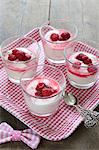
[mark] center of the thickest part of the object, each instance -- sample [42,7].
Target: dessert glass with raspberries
[43,90]
[18,54]
[82,60]
[55,36]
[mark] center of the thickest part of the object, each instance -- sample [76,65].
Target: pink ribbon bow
[27,136]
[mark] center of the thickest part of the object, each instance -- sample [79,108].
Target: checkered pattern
[65,121]
[27,136]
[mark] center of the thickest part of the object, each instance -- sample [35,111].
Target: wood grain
[19,17]
[90,19]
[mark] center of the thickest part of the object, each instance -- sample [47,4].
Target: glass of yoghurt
[43,89]
[55,36]
[18,54]
[82,62]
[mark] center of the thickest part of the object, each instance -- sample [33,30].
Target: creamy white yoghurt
[54,50]
[15,69]
[42,106]
[81,76]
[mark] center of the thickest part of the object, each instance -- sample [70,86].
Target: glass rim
[17,37]
[63,77]
[62,42]
[85,42]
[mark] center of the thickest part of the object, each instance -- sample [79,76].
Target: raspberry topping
[64,36]
[19,55]
[38,93]
[77,65]
[87,61]
[11,57]
[54,37]
[46,92]
[26,57]
[14,51]
[84,57]
[80,56]
[92,69]
[40,86]
[43,90]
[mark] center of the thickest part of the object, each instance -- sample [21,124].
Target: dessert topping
[64,36]
[18,55]
[12,57]
[43,90]
[54,37]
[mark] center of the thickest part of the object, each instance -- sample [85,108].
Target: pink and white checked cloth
[7,134]
[66,120]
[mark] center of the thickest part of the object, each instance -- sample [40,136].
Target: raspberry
[46,92]
[55,91]
[20,55]
[11,57]
[54,37]
[80,56]
[84,57]
[14,51]
[87,61]
[38,93]
[40,86]
[65,36]
[26,57]
[92,69]
[77,65]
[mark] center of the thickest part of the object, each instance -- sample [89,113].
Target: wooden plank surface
[20,16]
[90,17]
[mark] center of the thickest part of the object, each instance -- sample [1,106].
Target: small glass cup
[54,50]
[82,60]
[52,78]
[15,68]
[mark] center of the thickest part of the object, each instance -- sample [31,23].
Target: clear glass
[82,74]
[54,49]
[15,69]
[52,77]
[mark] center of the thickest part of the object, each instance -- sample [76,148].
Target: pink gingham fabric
[65,121]
[7,134]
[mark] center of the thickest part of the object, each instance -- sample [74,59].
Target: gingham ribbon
[7,134]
